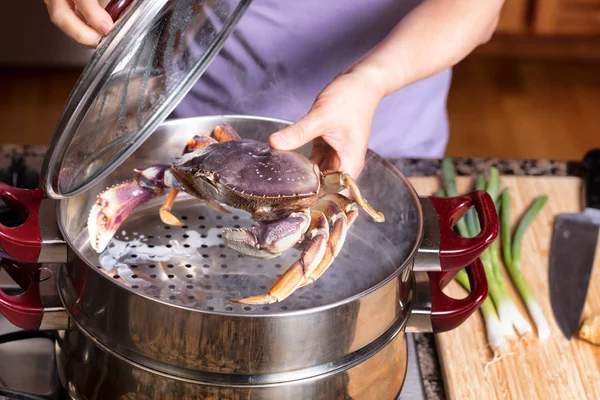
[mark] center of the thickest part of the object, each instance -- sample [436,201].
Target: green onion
[507,309]
[496,331]
[498,296]
[472,220]
[512,258]
[440,193]
[501,315]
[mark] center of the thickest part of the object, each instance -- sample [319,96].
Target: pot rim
[280,314]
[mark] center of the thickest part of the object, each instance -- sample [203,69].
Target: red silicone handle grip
[116,7]
[448,313]
[23,242]
[456,251]
[26,309]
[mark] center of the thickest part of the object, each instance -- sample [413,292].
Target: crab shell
[251,176]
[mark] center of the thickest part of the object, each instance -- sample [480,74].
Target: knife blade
[573,250]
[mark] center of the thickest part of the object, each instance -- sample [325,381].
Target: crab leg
[341,213]
[335,181]
[165,210]
[350,207]
[301,270]
[338,226]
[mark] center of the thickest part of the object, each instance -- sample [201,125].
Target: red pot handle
[23,242]
[26,309]
[116,7]
[448,313]
[456,252]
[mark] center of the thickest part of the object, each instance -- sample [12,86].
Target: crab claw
[112,207]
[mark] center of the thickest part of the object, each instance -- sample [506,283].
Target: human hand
[84,21]
[339,123]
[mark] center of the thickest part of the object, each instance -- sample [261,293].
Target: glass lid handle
[116,7]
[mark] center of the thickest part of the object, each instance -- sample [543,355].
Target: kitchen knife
[573,251]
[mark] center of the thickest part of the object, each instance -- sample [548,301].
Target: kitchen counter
[426,349]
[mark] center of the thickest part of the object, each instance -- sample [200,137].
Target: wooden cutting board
[550,369]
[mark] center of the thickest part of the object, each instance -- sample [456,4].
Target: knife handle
[591,162]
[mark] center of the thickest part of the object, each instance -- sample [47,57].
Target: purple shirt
[283,53]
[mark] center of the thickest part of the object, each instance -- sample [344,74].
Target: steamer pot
[167,312]
[154,306]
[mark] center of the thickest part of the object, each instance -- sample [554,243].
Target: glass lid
[139,73]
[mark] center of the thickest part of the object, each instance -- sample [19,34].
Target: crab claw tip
[168,218]
[98,235]
[112,207]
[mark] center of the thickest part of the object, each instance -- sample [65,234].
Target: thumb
[298,134]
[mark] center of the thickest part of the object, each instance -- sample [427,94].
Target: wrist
[369,78]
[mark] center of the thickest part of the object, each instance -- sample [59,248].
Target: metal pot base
[91,371]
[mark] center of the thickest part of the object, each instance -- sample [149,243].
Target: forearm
[434,36]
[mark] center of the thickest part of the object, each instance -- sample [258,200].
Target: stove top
[27,363]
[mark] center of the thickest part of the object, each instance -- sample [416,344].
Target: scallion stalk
[507,309]
[472,220]
[512,258]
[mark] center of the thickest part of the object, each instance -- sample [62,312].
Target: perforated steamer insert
[190,266]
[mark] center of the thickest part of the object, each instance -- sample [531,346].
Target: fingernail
[105,27]
[95,41]
[279,139]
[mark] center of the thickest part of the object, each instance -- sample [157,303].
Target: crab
[294,203]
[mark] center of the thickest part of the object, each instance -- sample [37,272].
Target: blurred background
[533,91]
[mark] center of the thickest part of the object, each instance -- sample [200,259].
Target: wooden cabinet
[566,17]
[550,17]
[513,18]
[548,29]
